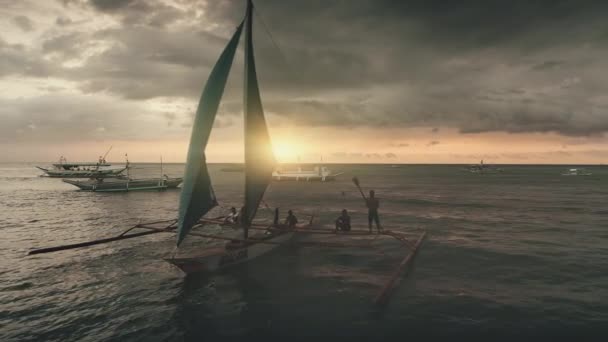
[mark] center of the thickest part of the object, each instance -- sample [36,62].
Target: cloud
[111,5]
[17,59]
[70,117]
[63,21]
[24,23]
[547,65]
[433,143]
[474,66]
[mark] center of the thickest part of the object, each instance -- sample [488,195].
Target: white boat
[576,172]
[83,170]
[318,173]
[101,169]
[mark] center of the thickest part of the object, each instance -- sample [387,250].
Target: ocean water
[523,253]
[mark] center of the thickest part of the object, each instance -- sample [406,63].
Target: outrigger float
[198,198]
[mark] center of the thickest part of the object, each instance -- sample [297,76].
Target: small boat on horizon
[483,168]
[576,172]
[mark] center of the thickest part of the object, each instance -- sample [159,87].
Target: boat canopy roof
[81,164]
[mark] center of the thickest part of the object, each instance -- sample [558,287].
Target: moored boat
[100,169]
[83,170]
[125,184]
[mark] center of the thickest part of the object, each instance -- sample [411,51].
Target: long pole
[356,181]
[105,155]
[91,243]
[160,180]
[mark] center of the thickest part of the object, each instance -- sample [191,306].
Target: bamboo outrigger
[170,226]
[198,198]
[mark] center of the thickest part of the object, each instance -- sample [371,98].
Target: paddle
[356,181]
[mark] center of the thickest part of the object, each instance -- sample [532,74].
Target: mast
[259,158]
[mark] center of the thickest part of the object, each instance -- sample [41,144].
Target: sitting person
[291,220]
[343,221]
[232,217]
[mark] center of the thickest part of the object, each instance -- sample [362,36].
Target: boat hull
[119,185]
[304,177]
[82,173]
[215,259]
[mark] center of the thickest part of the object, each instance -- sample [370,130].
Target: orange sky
[359,145]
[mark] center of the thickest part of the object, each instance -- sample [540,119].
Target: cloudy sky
[351,81]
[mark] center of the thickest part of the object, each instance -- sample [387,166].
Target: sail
[197,196]
[259,158]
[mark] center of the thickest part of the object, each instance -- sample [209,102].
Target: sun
[285,152]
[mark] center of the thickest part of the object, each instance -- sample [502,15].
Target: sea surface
[522,253]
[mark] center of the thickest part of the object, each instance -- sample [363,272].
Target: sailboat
[198,197]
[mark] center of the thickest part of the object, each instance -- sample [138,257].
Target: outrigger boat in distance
[483,168]
[576,172]
[83,170]
[233,169]
[63,169]
[125,184]
[318,173]
[197,197]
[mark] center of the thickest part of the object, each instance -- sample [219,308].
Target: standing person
[291,220]
[275,221]
[372,211]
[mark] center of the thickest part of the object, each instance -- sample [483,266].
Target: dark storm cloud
[476,66]
[17,59]
[110,5]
